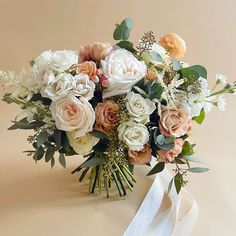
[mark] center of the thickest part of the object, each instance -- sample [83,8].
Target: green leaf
[176,64]
[24,124]
[157,168]
[199,119]
[193,159]
[178,180]
[187,149]
[49,153]
[194,72]
[92,162]
[155,90]
[52,162]
[65,143]
[39,153]
[126,45]
[62,160]
[38,97]
[123,29]
[98,134]
[164,143]
[198,169]
[42,138]
[156,56]
[56,138]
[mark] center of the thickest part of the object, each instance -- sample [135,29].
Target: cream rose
[58,86]
[174,122]
[83,86]
[135,135]
[82,145]
[139,108]
[63,60]
[73,114]
[123,70]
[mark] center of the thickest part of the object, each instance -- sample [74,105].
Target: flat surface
[37,201]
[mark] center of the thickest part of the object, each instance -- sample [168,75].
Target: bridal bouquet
[117,106]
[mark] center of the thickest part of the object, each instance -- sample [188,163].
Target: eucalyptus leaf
[123,29]
[49,153]
[156,56]
[157,168]
[176,64]
[42,138]
[193,159]
[126,45]
[24,124]
[39,153]
[62,160]
[198,169]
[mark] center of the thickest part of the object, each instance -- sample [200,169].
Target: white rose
[63,60]
[58,86]
[83,86]
[135,135]
[123,70]
[41,72]
[139,108]
[73,114]
[82,145]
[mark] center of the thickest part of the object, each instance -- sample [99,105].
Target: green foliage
[24,124]
[192,159]
[178,180]
[38,97]
[39,153]
[49,153]
[98,134]
[162,142]
[152,89]
[156,56]
[198,169]
[123,29]
[157,168]
[194,72]
[42,138]
[62,160]
[199,119]
[187,149]
[126,45]
[176,64]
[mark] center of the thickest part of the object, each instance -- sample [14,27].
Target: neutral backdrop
[35,200]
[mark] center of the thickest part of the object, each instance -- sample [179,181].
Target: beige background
[37,201]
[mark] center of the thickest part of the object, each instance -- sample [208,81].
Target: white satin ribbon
[147,221]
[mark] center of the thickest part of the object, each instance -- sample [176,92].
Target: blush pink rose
[96,51]
[174,122]
[174,44]
[170,155]
[107,116]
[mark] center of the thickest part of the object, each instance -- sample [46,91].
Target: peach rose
[150,75]
[96,51]
[140,157]
[107,116]
[174,44]
[174,122]
[88,67]
[99,51]
[169,155]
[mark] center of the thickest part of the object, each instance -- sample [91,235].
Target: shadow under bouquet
[117,105]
